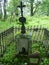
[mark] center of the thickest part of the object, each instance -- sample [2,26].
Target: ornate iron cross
[21,7]
[22,19]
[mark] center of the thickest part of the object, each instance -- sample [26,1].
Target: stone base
[23,40]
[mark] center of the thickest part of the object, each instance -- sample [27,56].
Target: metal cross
[21,7]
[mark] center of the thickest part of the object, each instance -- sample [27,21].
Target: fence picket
[5,38]
[8,35]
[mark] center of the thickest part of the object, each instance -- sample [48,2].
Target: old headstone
[23,40]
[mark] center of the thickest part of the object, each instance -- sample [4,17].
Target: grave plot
[24,44]
[26,52]
[6,38]
[38,36]
[36,48]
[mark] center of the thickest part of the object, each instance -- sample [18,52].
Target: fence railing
[6,38]
[37,33]
[8,35]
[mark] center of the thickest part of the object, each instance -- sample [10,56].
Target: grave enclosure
[38,36]
[12,31]
[24,40]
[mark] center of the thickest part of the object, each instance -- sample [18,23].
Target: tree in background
[31,2]
[4,9]
[0,14]
[12,8]
[45,7]
[38,5]
[35,6]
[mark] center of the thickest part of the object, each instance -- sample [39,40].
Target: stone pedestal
[23,41]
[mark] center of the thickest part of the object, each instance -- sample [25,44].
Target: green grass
[42,21]
[10,52]
[38,21]
[5,25]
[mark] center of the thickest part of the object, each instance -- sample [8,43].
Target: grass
[40,21]
[10,52]
[5,25]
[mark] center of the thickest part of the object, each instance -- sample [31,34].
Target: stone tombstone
[24,41]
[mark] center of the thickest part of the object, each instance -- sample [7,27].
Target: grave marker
[24,40]
[21,7]
[22,19]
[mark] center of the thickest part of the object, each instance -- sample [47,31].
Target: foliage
[13,10]
[40,7]
[45,62]
[0,15]
[44,8]
[8,56]
[5,25]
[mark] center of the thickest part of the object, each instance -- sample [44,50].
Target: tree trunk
[4,9]
[31,8]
